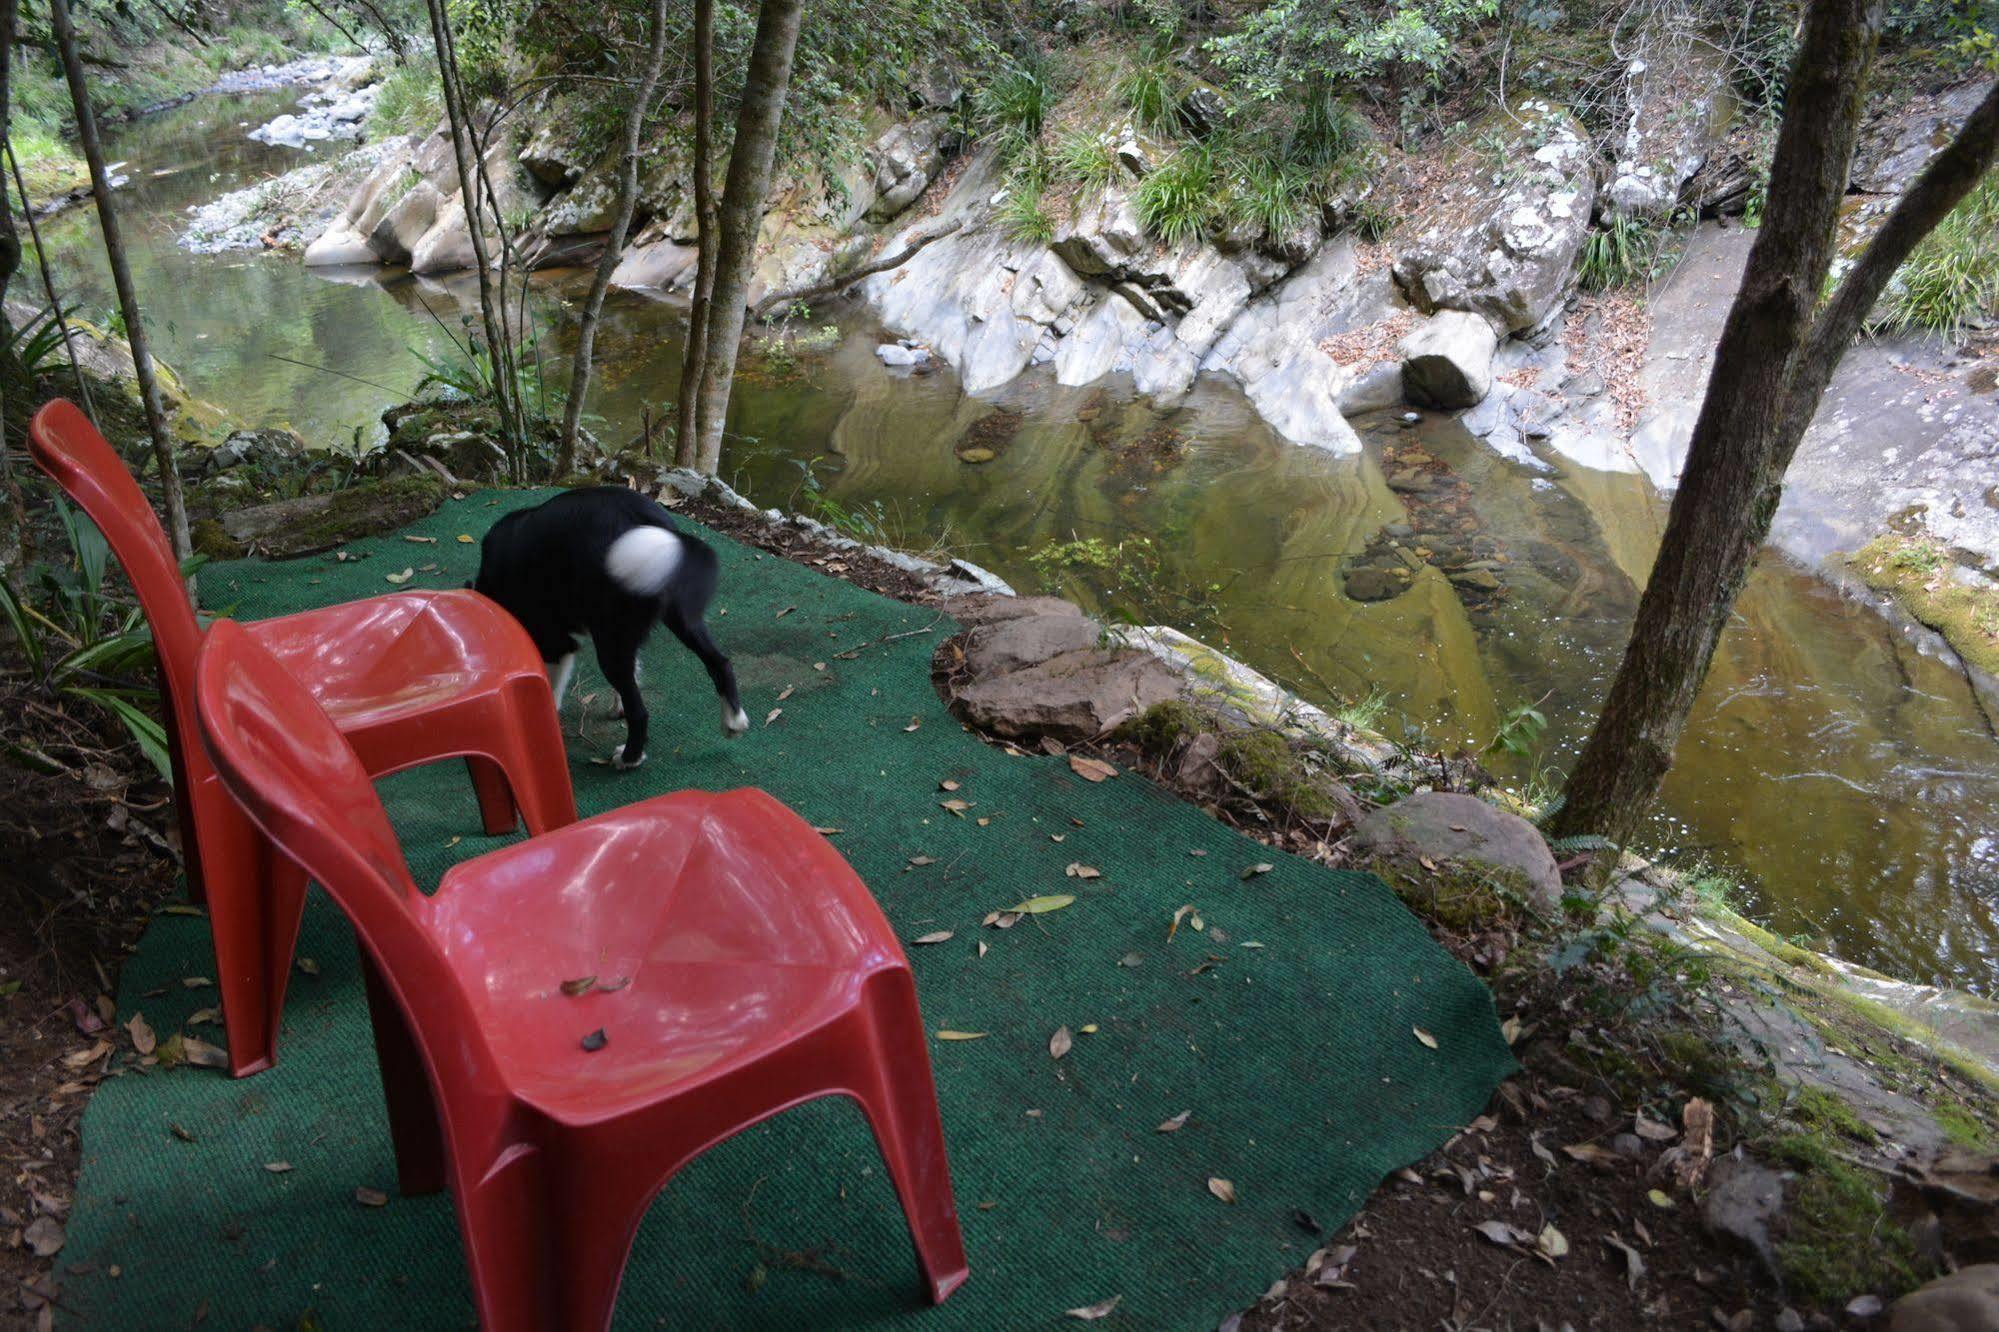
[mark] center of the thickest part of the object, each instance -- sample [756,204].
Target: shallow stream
[1837,765]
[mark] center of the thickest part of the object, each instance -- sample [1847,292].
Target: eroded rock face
[1464,831]
[1024,641]
[1674,88]
[906,159]
[1501,235]
[1447,361]
[1072,697]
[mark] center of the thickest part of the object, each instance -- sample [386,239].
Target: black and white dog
[607,562]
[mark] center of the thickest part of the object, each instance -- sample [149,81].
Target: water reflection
[1847,772]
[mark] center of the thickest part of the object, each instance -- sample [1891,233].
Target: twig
[843,281]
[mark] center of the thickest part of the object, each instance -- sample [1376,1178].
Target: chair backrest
[66,446]
[300,782]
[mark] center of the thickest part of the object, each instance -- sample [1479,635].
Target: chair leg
[900,1100]
[413,1124]
[496,798]
[256,899]
[536,763]
[546,1239]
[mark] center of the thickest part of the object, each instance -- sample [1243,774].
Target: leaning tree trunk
[614,247]
[1776,356]
[15,389]
[121,279]
[694,360]
[492,309]
[743,201]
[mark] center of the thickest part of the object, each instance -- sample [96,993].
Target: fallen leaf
[957,807]
[1089,1313]
[1427,863]
[196,982]
[82,1058]
[1132,960]
[464,538]
[1038,906]
[918,862]
[1552,1242]
[201,1054]
[1658,1199]
[420,540]
[142,1036]
[1864,1306]
[1178,916]
[773,715]
[934,937]
[982,948]
[368,1197]
[180,1133]
[786,692]
[1591,1154]
[210,1016]
[948,1035]
[308,966]
[580,985]
[1652,1130]
[278,1167]
[1510,1030]
[786,611]
[45,1237]
[1059,1043]
[913,724]
[1634,1266]
[1078,870]
[1425,1037]
[1263,867]
[1058,837]
[1088,1029]
[595,1041]
[400,578]
[1091,769]
[947,785]
[1222,1189]
[1698,1121]
[1175,1124]
[829,832]
[1500,1233]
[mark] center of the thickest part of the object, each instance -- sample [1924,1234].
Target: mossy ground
[1279,775]
[1916,572]
[1839,1239]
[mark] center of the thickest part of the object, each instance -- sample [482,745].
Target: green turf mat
[1285,1026]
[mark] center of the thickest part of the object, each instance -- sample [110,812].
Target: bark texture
[121,279]
[743,201]
[687,436]
[614,247]
[1776,356]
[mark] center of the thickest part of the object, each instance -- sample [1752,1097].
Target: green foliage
[79,641]
[410,101]
[1088,159]
[1626,252]
[1289,43]
[1176,201]
[1012,104]
[1840,1242]
[1952,278]
[35,342]
[1151,92]
[1022,213]
[1327,129]
[1271,196]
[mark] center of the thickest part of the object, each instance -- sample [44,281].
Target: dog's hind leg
[617,657]
[693,631]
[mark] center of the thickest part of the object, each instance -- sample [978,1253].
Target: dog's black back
[552,567]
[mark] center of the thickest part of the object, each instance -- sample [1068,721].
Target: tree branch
[813,290]
[1951,174]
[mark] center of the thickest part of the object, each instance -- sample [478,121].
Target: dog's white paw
[734,722]
[618,759]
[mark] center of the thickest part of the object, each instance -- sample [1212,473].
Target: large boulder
[1965,1301]
[1072,697]
[1461,833]
[906,159]
[1675,92]
[1028,640]
[551,153]
[1447,360]
[1501,233]
[396,235]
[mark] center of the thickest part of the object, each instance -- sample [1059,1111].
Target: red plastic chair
[740,968]
[409,679]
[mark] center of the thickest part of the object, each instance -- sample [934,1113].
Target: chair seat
[722,925]
[376,662]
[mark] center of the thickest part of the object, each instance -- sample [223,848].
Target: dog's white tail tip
[643,560]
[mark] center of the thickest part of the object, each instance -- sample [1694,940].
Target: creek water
[1834,764]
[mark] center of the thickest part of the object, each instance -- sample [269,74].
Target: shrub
[1151,92]
[1177,200]
[1953,276]
[1086,158]
[409,103]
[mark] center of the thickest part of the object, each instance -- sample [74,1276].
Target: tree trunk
[694,360]
[492,309]
[121,278]
[1771,367]
[15,390]
[614,248]
[743,201]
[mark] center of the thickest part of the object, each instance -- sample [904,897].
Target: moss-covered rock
[212,540]
[1919,575]
[1839,1240]
[314,523]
